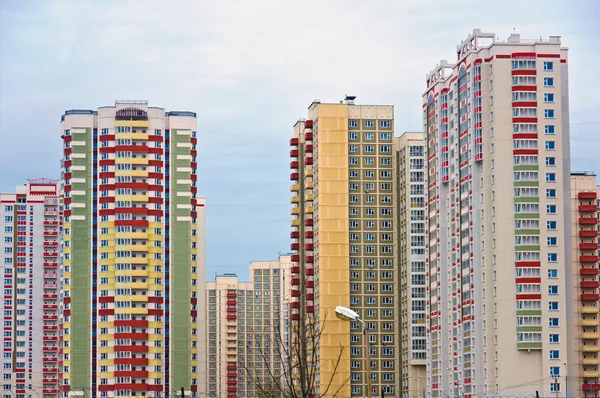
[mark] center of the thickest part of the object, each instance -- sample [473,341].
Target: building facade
[498,234]
[133,252]
[583,369]
[411,183]
[30,223]
[246,330]
[344,243]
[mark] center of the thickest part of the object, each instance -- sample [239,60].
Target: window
[553,289]
[549,129]
[368,123]
[552,274]
[554,354]
[553,323]
[554,387]
[550,177]
[550,145]
[554,371]
[550,161]
[384,123]
[548,82]
[551,193]
[551,225]
[553,338]
[548,65]
[552,241]
[550,209]
[549,113]
[352,123]
[548,97]
[553,305]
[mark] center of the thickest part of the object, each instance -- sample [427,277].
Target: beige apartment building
[499,253]
[247,325]
[583,370]
[411,191]
[344,242]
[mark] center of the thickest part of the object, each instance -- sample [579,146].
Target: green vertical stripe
[81,273]
[180,273]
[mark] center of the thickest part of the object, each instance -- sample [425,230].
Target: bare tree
[297,375]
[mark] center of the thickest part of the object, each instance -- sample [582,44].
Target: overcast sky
[250,69]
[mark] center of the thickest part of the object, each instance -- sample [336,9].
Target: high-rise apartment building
[498,235]
[411,185]
[247,330]
[133,252]
[344,241]
[583,370]
[29,235]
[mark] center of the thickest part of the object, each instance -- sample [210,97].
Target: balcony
[51,275]
[50,223]
[295,223]
[50,233]
[310,197]
[48,317]
[50,370]
[588,271]
[588,246]
[294,176]
[50,360]
[231,367]
[231,374]
[588,310]
[588,221]
[294,164]
[590,348]
[309,234]
[295,246]
[586,233]
[295,199]
[295,293]
[310,271]
[310,309]
[310,259]
[309,161]
[586,195]
[232,382]
[50,306]
[295,270]
[308,124]
[231,294]
[50,265]
[231,302]
[50,244]
[308,136]
[231,389]
[294,153]
[310,296]
[50,254]
[231,317]
[309,246]
[50,296]
[588,284]
[49,338]
[589,297]
[590,361]
[590,335]
[309,222]
[231,309]
[310,284]
[293,141]
[295,258]
[295,234]
[295,211]
[296,305]
[50,285]
[589,322]
[295,187]
[590,387]
[588,259]
[295,317]
[588,208]
[295,281]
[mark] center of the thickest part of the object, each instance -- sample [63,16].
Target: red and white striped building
[30,222]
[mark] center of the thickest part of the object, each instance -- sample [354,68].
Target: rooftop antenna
[350,99]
